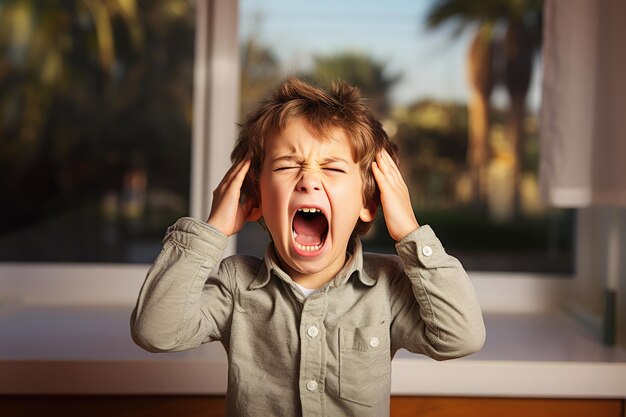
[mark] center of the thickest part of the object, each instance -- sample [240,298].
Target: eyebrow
[335,159]
[293,158]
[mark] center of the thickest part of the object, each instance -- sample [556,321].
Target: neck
[317,279]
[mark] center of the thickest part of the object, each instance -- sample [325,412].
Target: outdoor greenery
[95,113]
[95,129]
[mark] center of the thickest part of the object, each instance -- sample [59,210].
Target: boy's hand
[228,215]
[394,197]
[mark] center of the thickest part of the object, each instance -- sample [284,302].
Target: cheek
[274,198]
[347,195]
[277,188]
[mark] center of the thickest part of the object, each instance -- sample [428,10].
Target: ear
[368,212]
[256,212]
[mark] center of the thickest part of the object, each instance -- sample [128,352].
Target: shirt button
[311,386]
[427,250]
[313,331]
[374,342]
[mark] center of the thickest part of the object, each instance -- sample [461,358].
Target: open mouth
[309,229]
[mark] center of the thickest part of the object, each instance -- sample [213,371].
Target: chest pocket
[364,363]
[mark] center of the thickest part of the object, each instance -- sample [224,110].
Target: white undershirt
[305,291]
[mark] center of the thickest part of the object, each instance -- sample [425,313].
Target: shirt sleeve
[434,306]
[182,303]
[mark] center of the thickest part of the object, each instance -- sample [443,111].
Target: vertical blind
[583,117]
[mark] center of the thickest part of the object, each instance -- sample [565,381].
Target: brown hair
[340,107]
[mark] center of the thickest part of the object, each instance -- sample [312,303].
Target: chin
[309,268]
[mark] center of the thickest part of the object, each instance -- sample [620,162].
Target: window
[95,128]
[95,125]
[456,134]
[214,78]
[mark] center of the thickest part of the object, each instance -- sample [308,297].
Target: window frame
[215,104]
[215,101]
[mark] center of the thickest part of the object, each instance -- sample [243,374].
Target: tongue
[309,231]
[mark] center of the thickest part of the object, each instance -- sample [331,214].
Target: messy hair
[340,107]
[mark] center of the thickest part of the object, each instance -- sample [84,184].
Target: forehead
[299,137]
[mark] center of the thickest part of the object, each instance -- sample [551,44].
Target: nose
[309,182]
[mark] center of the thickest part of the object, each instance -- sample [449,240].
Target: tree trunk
[518,71]
[480,80]
[515,132]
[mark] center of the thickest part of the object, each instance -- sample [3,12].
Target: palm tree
[521,19]
[521,40]
[480,79]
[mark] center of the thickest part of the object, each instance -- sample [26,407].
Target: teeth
[308,248]
[310,210]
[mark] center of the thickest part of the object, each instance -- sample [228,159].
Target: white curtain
[583,117]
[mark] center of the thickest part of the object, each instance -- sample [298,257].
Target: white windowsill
[88,350]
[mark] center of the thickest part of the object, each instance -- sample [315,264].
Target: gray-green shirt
[325,355]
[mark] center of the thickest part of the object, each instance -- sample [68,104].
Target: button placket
[312,350]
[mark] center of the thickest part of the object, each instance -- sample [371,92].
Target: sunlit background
[457,85]
[96,116]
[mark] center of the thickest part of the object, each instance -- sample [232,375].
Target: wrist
[218,226]
[406,231]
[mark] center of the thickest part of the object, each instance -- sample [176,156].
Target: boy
[310,329]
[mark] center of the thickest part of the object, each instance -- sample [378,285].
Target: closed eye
[285,168]
[335,170]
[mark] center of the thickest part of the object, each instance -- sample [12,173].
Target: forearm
[168,314]
[450,322]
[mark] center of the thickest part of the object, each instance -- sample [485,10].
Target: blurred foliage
[432,139]
[260,73]
[462,14]
[93,92]
[358,69]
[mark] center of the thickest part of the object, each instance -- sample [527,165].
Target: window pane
[462,112]
[95,127]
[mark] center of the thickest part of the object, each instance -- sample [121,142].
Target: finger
[380,163]
[236,170]
[235,174]
[226,179]
[379,176]
[387,167]
[383,185]
[394,170]
[393,167]
[241,172]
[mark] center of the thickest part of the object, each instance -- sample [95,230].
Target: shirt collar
[354,265]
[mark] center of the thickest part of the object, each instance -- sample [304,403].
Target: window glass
[458,90]
[95,127]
